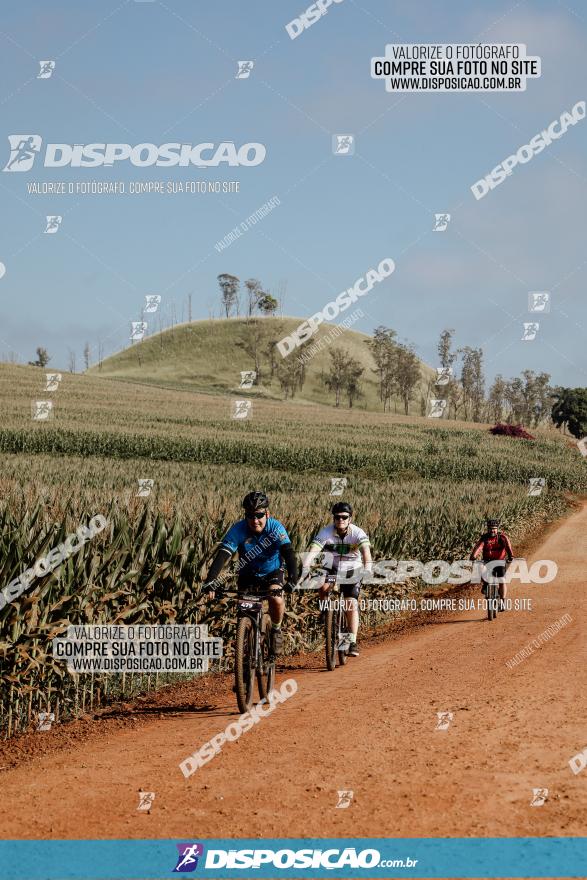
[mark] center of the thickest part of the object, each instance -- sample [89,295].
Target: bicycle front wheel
[266,671]
[244,663]
[331,637]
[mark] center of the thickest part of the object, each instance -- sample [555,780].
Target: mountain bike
[253,653]
[335,625]
[492,594]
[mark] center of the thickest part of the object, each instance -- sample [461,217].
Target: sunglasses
[341,516]
[259,514]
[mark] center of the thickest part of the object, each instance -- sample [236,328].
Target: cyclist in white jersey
[348,553]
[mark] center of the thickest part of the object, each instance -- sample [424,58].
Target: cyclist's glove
[216,589]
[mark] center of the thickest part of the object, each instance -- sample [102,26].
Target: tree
[344,376]
[407,373]
[496,401]
[445,355]
[252,342]
[229,286]
[570,409]
[71,360]
[288,376]
[87,355]
[254,294]
[42,358]
[335,379]
[267,304]
[472,382]
[382,348]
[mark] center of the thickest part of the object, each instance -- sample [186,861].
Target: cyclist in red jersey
[495,546]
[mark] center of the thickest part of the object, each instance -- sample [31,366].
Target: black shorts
[256,584]
[498,572]
[349,590]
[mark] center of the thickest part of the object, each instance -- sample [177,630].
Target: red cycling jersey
[494,547]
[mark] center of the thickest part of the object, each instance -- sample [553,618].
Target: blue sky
[161,72]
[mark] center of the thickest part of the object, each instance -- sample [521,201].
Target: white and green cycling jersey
[344,552]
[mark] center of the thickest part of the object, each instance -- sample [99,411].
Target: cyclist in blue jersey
[263,547]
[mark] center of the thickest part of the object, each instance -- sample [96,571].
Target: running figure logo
[343,144]
[247,378]
[338,485]
[530,331]
[145,487]
[443,375]
[53,224]
[539,301]
[244,69]
[241,409]
[47,68]
[152,302]
[42,410]
[537,484]
[137,330]
[539,796]
[344,799]
[53,380]
[23,151]
[444,719]
[436,408]
[146,799]
[45,720]
[441,222]
[187,860]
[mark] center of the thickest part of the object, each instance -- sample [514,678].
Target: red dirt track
[369,727]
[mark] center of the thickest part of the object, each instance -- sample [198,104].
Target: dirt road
[369,727]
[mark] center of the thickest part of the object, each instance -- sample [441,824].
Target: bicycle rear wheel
[244,664]
[331,637]
[341,627]
[491,601]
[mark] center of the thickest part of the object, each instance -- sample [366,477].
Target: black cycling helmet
[492,523]
[342,507]
[255,501]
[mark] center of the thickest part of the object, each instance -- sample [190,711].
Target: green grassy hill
[207,356]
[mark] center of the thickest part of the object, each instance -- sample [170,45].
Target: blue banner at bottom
[528,857]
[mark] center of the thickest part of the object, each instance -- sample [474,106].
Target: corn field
[421,492]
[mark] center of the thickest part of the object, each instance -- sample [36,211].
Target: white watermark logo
[46,564]
[344,799]
[331,310]
[441,222]
[53,224]
[24,149]
[443,720]
[578,762]
[152,302]
[530,331]
[236,728]
[247,378]
[343,144]
[306,19]
[538,143]
[244,69]
[241,409]
[42,410]
[53,381]
[145,488]
[146,799]
[539,301]
[436,408]
[46,69]
[137,330]
[539,797]
[536,486]
[45,720]
[338,485]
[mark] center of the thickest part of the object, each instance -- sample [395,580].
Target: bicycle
[253,652]
[334,621]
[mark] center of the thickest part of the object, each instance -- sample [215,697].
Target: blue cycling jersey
[258,554]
